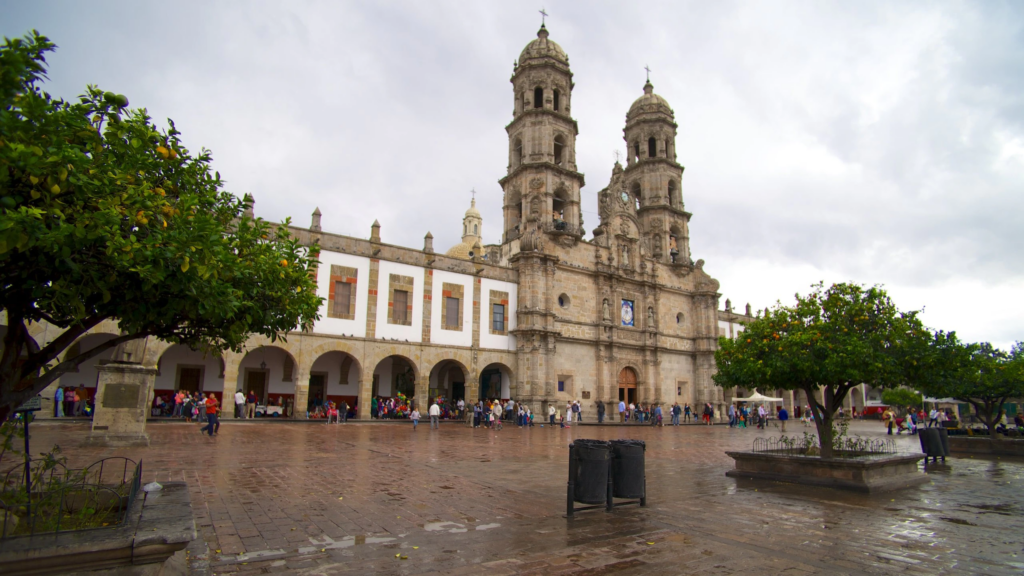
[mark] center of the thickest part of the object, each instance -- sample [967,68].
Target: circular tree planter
[869,473]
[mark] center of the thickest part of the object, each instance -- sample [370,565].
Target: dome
[649,103]
[543,48]
[473,211]
[460,251]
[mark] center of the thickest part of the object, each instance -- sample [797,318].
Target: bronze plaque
[121,396]
[586,394]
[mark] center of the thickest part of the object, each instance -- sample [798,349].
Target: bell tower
[653,178]
[542,186]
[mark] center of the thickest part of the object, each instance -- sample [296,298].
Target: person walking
[211,416]
[732,415]
[79,400]
[239,404]
[435,412]
[889,418]
[58,403]
[551,415]
[622,412]
[675,413]
[250,404]
[658,416]
[600,412]
[686,412]
[783,416]
[576,411]
[761,417]
[933,418]
[415,417]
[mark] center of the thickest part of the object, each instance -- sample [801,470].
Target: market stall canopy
[757,397]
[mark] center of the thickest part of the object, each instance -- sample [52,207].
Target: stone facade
[627,314]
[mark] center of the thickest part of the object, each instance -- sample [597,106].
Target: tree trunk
[822,418]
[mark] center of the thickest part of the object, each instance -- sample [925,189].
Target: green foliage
[979,374]
[105,216]
[902,398]
[831,340]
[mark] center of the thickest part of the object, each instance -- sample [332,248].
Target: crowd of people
[72,401]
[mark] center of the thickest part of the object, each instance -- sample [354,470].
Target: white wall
[177,355]
[383,373]
[497,341]
[412,333]
[327,325]
[86,375]
[330,363]
[438,335]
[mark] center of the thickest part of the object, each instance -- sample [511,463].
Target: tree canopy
[103,216]
[978,374]
[830,341]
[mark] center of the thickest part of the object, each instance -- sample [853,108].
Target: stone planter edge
[867,475]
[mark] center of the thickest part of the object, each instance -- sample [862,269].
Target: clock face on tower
[625,197]
[627,313]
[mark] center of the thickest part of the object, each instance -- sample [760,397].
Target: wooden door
[190,379]
[256,380]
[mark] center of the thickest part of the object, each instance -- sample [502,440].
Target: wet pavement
[339,499]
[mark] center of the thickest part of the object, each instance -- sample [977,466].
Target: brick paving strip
[306,499]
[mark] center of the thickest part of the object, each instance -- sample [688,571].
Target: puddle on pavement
[452,527]
[487,526]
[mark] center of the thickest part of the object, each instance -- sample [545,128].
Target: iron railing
[57,499]
[842,448]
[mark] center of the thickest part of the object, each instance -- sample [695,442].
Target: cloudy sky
[873,142]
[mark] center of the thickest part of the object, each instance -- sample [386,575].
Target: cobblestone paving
[318,499]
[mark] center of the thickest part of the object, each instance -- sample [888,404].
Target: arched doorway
[334,377]
[448,381]
[268,372]
[627,385]
[495,382]
[394,375]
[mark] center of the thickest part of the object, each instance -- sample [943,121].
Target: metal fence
[843,448]
[55,499]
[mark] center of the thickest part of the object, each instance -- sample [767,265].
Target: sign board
[31,405]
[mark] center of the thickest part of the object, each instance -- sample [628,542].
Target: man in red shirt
[212,409]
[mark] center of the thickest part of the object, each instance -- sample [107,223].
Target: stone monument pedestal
[123,397]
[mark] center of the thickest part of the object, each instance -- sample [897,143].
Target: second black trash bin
[591,481]
[628,475]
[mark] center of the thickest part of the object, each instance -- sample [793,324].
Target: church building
[544,317]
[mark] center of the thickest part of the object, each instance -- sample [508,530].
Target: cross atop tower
[616,156]
[648,68]
[473,192]
[543,16]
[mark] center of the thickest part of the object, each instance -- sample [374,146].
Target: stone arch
[652,147]
[496,381]
[449,379]
[517,152]
[538,97]
[393,374]
[182,368]
[636,192]
[335,376]
[560,150]
[673,194]
[270,372]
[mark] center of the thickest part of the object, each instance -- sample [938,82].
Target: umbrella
[757,397]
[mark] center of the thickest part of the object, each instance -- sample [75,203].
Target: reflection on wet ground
[364,499]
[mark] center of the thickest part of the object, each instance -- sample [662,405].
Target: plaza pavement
[383,499]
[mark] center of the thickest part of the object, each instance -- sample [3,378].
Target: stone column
[232,363]
[365,393]
[124,394]
[423,392]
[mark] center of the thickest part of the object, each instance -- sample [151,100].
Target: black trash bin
[944,440]
[931,442]
[629,478]
[591,479]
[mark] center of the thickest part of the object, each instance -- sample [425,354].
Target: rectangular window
[400,307]
[561,386]
[451,313]
[342,297]
[498,318]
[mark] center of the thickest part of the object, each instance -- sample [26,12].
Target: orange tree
[977,374]
[831,340]
[105,217]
